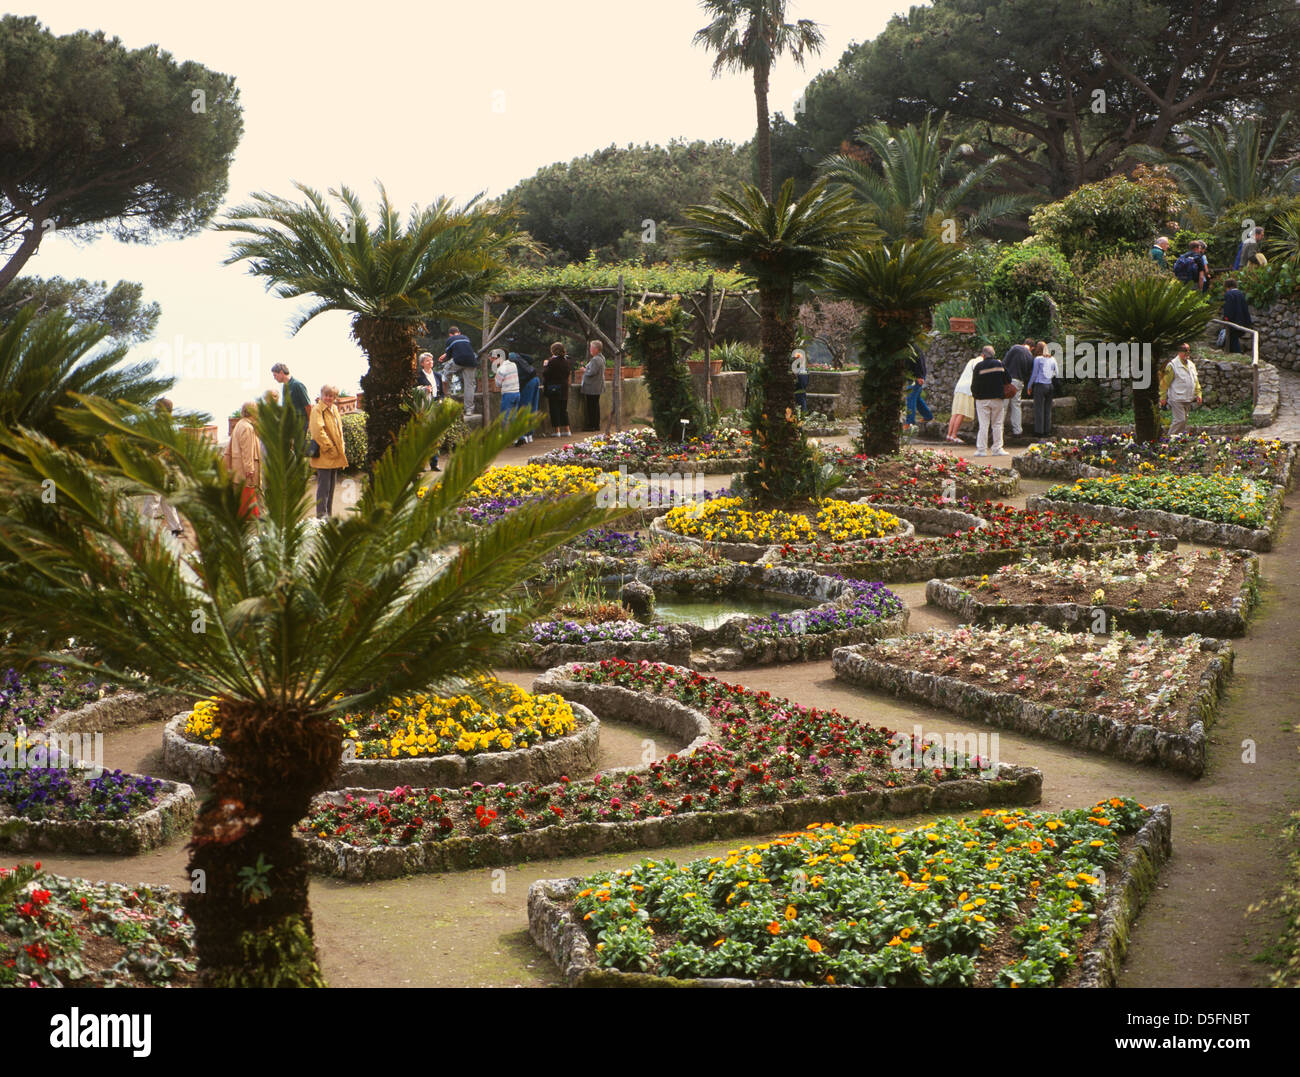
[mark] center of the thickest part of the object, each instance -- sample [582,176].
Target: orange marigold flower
[813,944]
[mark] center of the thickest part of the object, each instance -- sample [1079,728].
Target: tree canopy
[121,309]
[95,137]
[598,203]
[1062,89]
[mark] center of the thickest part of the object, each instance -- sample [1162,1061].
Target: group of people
[990,391]
[1192,267]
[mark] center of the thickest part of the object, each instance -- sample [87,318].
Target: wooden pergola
[707,304]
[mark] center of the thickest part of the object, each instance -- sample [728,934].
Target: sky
[432,99]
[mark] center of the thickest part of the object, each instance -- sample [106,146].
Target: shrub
[354,438]
[1112,216]
[1040,316]
[735,355]
[1124,267]
[1036,267]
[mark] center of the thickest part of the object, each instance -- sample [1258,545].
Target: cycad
[287,622]
[1236,165]
[920,182]
[389,275]
[779,244]
[898,286]
[1161,312]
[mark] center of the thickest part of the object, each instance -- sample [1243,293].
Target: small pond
[711,613]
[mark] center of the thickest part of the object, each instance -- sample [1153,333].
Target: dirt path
[470,928]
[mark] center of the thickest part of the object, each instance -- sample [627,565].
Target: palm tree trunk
[782,464]
[248,868]
[763,136]
[390,347]
[1146,407]
[881,393]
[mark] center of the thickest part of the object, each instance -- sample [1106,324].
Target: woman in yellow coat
[325,428]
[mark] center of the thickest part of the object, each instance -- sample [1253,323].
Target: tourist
[1236,308]
[1193,267]
[556,372]
[915,399]
[529,388]
[1248,254]
[506,376]
[460,358]
[988,385]
[292,391]
[593,384]
[245,454]
[799,368]
[326,455]
[426,378]
[1158,251]
[963,404]
[1179,386]
[1019,363]
[158,507]
[1042,388]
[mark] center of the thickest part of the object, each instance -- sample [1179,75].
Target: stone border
[1140,743]
[171,816]
[675,650]
[1268,396]
[544,762]
[556,929]
[1004,483]
[1152,846]
[1083,430]
[1016,785]
[918,569]
[120,710]
[1189,528]
[750,552]
[1077,617]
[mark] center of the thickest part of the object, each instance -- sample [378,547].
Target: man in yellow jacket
[1179,386]
[325,428]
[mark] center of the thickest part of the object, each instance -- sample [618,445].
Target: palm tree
[779,244]
[287,625]
[1161,312]
[390,277]
[913,183]
[1227,164]
[898,287]
[46,359]
[750,35]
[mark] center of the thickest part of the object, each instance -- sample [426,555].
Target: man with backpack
[530,387]
[460,355]
[1193,267]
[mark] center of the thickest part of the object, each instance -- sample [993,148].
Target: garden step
[823,403]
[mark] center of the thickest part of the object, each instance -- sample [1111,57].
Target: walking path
[1286,427]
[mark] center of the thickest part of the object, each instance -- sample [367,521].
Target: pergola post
[708,341]
[616,405]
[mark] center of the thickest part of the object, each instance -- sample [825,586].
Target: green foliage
[655,334]
[1039,319]
[999,325]
[282,955]
[97,137]
[675,279]
[596,203]
[1035,267]
[354,438]
[120,309]
[46,360]
[1112,216]
[912,182]
[735,355]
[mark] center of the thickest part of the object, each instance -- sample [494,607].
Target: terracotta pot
[629,371]
[697,366]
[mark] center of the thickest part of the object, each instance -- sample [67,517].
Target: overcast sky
[431,99]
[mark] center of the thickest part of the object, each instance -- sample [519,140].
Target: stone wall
[1279,333]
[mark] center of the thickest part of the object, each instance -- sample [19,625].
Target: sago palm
[751,35]
[46,359]
[917,178]
[288,623]
[1227,164]
[897,287]
[779,244]
[389,275]
[1160,312]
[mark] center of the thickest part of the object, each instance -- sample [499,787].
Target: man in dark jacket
[1235,309]
[986,386]
[463,360]
[1019,364]
[915,400]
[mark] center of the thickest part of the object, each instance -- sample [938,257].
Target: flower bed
[611,543]
[59,932]
[744,535]
[721,451]
[1000,536]
[507,486]
[1142,699]
[925,472]
[1194,454]
[1208,594]
[755,764]
[448,741]
[56,809]
[553,643]
[1007,898]
[1217,510]
[30,699]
